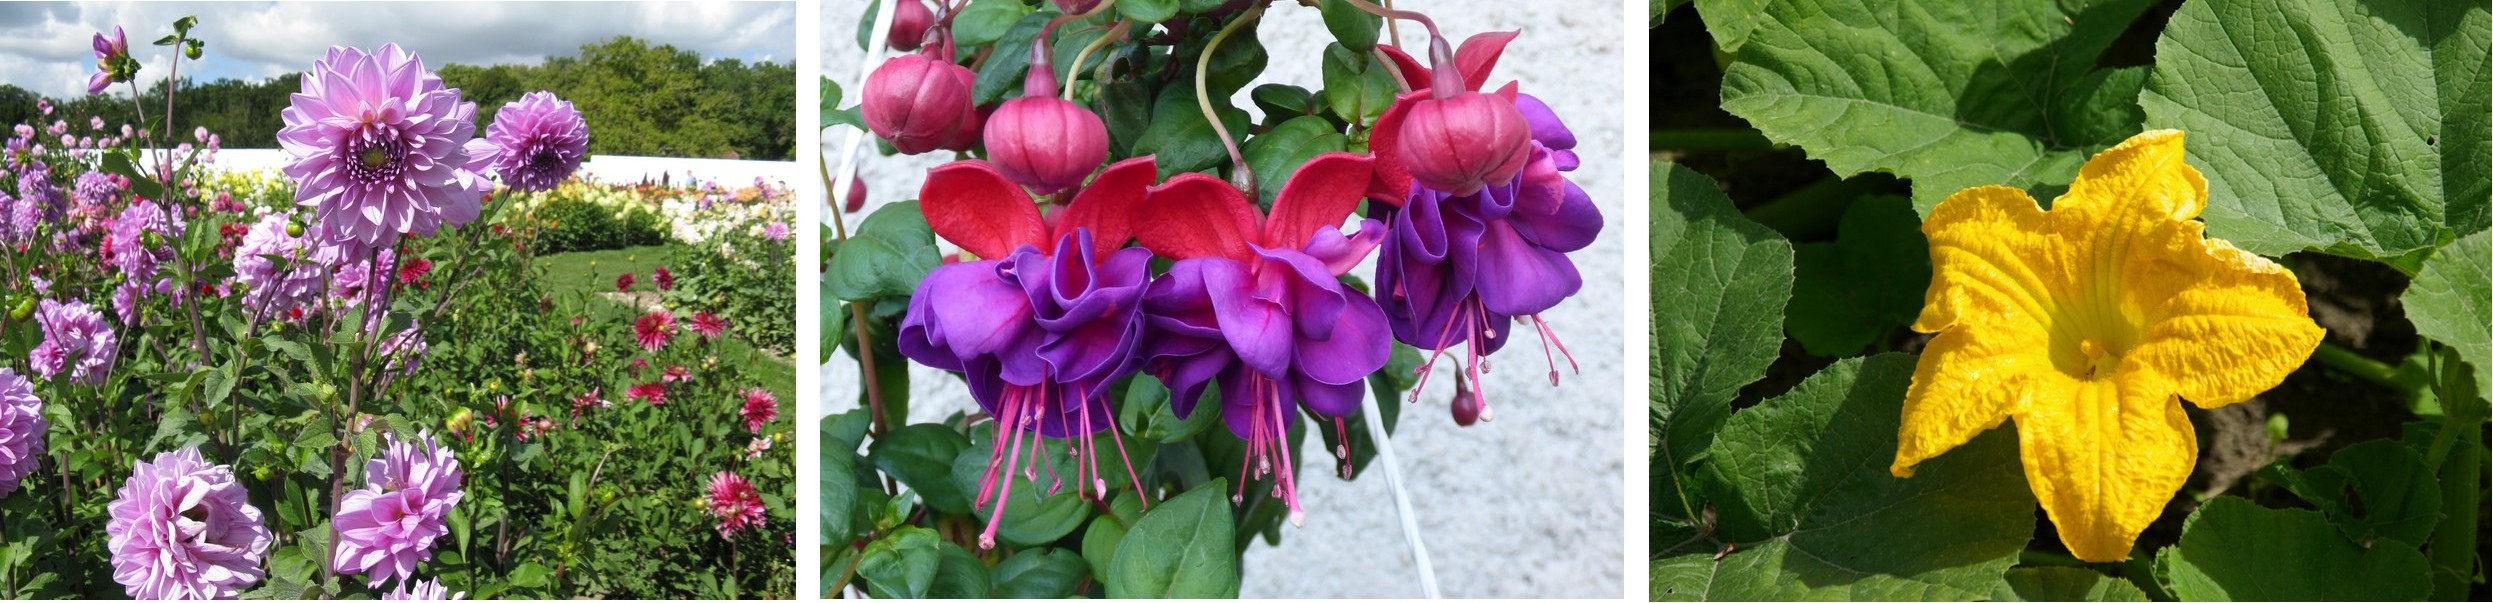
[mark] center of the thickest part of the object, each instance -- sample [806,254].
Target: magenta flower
[1256,302]
[654,392]
[185,529]
[1043,142]
[542,140]
[426,590]
[77,344]
[654,329]
[352,278]
[623,283]
[112,61]
[129,246]
[95,189]
[776,231]
[278,267]
[22,429]
[736,504]
[381,149]
[710,326]
[665,280]
[759,408]
[1040,335]
[389,526]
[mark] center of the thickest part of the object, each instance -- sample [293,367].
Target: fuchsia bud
[856,194]
[918,103]
[1043,142]
[1463,142]
[1467,406]
[909,22]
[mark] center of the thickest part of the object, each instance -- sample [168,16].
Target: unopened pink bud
[1465,141]
[909,22]
[1046,143]
[856,195]
[917,102]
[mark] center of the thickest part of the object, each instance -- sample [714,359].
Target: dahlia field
[2114,300]
[351,378]
[1155,301]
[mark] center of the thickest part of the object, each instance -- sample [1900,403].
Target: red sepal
[1106,205]
[1479,54]
[969,204]
[1194,216]
[1321,193]
[1392,182]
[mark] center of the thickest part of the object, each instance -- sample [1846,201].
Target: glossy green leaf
[2351,127]
[1180,138]
[1349,25]
[1032,514]
[1041,573]
[959,575]
[1358,87]
[1099,542]
[2234,550]
[1147,11]
[2451,301]
[1719,286]
[2374,489]
[889,253]
[1001,76]
[1870,280]
[921,456]
[2066,584]
[1276,154]
[902,564]
[1179,550]
[986,21]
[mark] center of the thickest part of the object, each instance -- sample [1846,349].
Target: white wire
[1402,498]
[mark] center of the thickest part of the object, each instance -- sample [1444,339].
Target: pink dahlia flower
[664,279]
[623,283]
[428,590]
[654,392]
[759,408]
[76,341]
[130,249]
[542,140]
[736,504]
[654,329]
[185,529]
[389,526]
[278,286]
[710,326]
[21,430]
[381,148]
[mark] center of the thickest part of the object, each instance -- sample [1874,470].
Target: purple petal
[1571,226]
[1359,345]
[1258,329]
[1328,399]
[1520,278]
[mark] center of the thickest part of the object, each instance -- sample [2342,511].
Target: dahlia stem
[1402,498]
[1203,100]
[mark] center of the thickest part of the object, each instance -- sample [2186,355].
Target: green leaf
[2234,550]
[2350,127]
[2394,494]
[2448,302]
[891,251]
[1729,21]
[1719,285]
[1032,515]
[1147,11]
[959,575]
[1041,573]
[1179,550]
[832,115]
[1801,484]
[2065,584]
[1004,68]
[921,456]
[1358,87]
[1277,153]
[1949,94]
[529,575]
[838,497]
[1099,542]
[1847,293]
[1180,138]
[1282,101]
[902,564]
[986,21]
[834,322]
[1355,28]
[1235,63]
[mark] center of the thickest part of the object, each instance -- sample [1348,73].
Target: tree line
[639,99]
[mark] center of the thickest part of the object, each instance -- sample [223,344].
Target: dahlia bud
[1463,142]
[909,22]
[1046,143]
[25,307]
[918,102]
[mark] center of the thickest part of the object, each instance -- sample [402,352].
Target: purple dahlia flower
[77,343]
[1256,302]
[1043,326]
[381,148]
[351,275]
[128,244]
[427,590]
[542,140]
[94,189]
[184,529]
[389,526]
[278,286]
[38,202]
[112,61]
[21,430]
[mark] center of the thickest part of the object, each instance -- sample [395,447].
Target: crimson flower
[654,392]
[654,329]
[665,280]
[710,326]
[623,283]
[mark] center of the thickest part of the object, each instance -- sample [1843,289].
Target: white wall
[610,169]
[1530,505]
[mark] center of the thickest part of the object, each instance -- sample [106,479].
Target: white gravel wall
[1527,506]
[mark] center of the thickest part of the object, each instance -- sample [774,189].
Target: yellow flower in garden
[2084,323]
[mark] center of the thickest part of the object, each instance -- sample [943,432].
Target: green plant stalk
[2453,550]
[1203,99]
[2351,363]
[1710,140]
[1073,72]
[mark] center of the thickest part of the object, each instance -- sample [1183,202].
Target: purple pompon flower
[77,343]
[1047,322]
[776,231]
[388,526]
[542,140]
[1256,302]
[279,267]
[185,529]
[380,148]
[128,245]
[9,227]
[38,202]
[1461,270]
[95,189]
[21,430]
[424,590]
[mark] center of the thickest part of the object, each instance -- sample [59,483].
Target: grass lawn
[594,272]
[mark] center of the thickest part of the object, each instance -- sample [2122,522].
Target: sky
[46,46]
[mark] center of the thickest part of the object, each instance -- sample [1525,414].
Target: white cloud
[45,46]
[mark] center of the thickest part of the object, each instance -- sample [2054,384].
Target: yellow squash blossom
[2084,323]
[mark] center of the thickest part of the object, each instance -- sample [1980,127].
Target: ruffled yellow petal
[2231,326]
[1965,385]
[2144,175]
[2103,456]
[1993,260]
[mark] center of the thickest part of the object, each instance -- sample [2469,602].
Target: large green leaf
[921,456]
[1948,93]
[2374,489]
[1179,138]
[891,251]
[1719,285]
[2234,550]
[1867,282]
[959,575]
[1037,510]
[2352,127]
[2449,301]
[902,564]
[1179,550]
[2066,584]
[1040,573]
[1729,21]
[1277,154]
[1802,488]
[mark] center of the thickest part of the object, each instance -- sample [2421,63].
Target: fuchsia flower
[77,344]
[654,392]
[910,19]
[541,140]
[1043,142]
[1256,302]
[654,329]
[390,525]
[380,148]
[759,408]
[1462,267]
[22,428]
[185,529]
[1046,321]
[736,504]
[665,280]
[710,326]
[919,103]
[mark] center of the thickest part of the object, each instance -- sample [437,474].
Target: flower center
[378,154]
